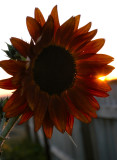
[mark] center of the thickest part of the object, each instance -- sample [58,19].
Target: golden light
[102,78]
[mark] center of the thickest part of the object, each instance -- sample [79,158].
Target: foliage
[23,150]
[12,53]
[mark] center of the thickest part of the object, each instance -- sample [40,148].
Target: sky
[102,14]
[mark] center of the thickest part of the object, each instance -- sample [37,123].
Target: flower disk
[58,76]
[54,70]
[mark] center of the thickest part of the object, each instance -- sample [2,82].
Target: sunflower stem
[5,132]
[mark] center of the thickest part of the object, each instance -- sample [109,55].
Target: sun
[102,78]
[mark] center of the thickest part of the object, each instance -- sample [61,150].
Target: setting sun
[102,78]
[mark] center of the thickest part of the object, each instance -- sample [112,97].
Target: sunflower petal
[93,84]
[34,28]
[95,70]
[65,31]
[93,46]
[69,125]
[84,29]
[81,40]
[77,20]
[27,114]
[16,111]
[47,126]
[54,14]
[21,46]
[100,59]
[82,101]
[39,17]
[14,101]
[7,84]
[40,110]
[57,112]
[47,35]
[12,66]
[32,98]
[75,111]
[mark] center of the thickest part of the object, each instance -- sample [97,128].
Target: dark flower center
[54,70]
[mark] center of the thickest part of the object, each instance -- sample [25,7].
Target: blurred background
[95,141]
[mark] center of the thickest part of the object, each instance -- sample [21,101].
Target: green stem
[4,134]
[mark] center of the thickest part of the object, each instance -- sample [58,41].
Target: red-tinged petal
[93,84]
[65,31]
[21,46]
[57,112]
[16,100]
[74,110]
[92,71]
[94,102]
[77,20]
[82,101]
[39,17]
[40,110]
[16,111]
[100,59]
[7,84]
[84,29]
[12,66]
[34,28]
[98,93]
[81,40]
[93,46]
[47,126]
[69,125]
[32,98]
[47,35]
[27,114]
[54,14]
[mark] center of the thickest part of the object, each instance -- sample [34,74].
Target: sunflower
[58,80]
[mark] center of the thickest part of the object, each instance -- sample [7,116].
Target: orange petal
[98,93]
[47,34]
[98,59]
[92,87]
[47,126]
[39,17]
[27,114]
[54,14]
[69,125]
[95,70]
[75,111]
[32,98]
[40,110]
[34,28]
[77,20]
[57,112]
[84,29]
[93,84]
[21,46]
[81,40]
[82,101]
[93,46]
[16,111]
[12,66]
[16,100]
[65,31]
[7,84]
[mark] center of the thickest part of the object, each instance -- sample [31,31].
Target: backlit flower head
[59,78]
